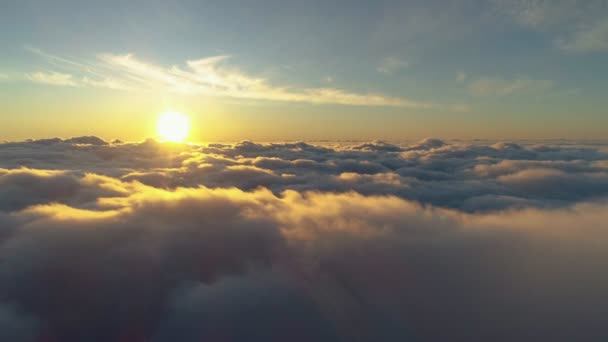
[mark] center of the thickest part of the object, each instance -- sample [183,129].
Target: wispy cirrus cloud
[577,26]
[589,38]
[494,86]
[536,14]
[391,65]
[211,76]
[52,77]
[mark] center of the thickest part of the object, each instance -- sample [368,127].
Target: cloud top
[430,240]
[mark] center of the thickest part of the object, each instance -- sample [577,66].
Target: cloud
[391,65]
[15,325]
[578,26]
[293,241]
[211,76]
[134,261]
[52,78]
[456,175]
[535,13]
[109,83]
[492,86]
[461,76]
[3,77]
[587,39]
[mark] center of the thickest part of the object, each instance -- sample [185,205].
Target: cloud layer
[468,176]
[424,241]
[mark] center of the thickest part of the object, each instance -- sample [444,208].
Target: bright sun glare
[173,126]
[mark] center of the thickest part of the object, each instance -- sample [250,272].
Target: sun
[173,127]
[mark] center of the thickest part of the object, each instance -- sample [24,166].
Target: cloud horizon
[340,241]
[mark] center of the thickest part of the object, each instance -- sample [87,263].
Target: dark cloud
[103,275]
[427,144]
[263,308]
[428,241]
[86,140]
[377,146]
[21,188]
[17,326]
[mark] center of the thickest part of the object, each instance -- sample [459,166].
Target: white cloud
[492,86]
[52,77]
[391,64]
[109,83]
[211,76]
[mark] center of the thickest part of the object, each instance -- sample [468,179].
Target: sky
[198,170]
[305,70]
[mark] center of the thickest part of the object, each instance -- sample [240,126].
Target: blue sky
[381,69]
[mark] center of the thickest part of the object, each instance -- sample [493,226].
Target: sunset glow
[290,170]
[173,127]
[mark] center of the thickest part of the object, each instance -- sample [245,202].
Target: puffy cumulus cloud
[194,263]
[556,184]
[429,240]
[470,176]
[107,274]
[21,188]
[132,241]
[246,302]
